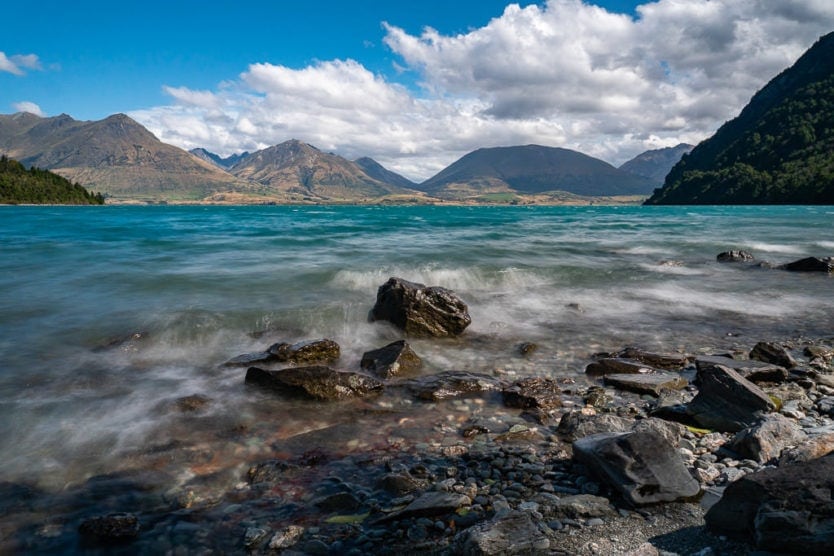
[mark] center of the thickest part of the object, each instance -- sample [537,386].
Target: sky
[413,84]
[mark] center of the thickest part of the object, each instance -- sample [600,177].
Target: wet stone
[735,256]
[616,365]
[191,403]
[316,382]
[770,352]
[395,359]
[727,401]
[111,527]
[533,392]
[308,351]
[452,384]
[646,383]
[668,361]
[420,310]
[751,369]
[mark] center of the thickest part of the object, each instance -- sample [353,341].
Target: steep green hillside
[779,150]
[19,185]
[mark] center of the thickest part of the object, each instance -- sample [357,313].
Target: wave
[825,244]
[458,279]
[776,248]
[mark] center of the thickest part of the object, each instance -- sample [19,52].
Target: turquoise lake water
[109,314]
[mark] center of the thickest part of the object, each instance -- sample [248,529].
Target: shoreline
[482,463]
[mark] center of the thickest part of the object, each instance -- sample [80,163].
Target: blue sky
[610,78]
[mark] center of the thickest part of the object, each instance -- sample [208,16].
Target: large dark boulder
[395,359]
[420,310]
[751,369]
[452,384]
[642,465]
[316,382]
[811,264]
[787,509]
[727,401]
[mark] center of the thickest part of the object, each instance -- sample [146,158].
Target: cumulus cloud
[564,73]
[30,107]
[17,64]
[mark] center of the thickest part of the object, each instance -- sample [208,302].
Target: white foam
[825,244]
[775,248]
[457,279]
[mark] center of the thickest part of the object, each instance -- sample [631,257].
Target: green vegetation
[779,150]
[19,185]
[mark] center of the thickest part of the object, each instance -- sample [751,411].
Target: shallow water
[80,395]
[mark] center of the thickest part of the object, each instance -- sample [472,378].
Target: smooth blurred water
[203,284]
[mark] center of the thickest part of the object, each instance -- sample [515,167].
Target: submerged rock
[420,310]
[316,382]
[785,509]
[452,384]
[811,264]
[111,527]
[642,464]
[194,402]
[735,256]
[727,401]
[397,358]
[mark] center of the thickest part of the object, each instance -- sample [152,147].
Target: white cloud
[30,107]
[563,74]
[18,63]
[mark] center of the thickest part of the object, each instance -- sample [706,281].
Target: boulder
[786,509]
[452,384]
[668,361]
[582,506]
[110,527]
[751,369]
[727,401]
[765,440]
[420,310]
[316,382]
[513,533]
[811,264]
[735,256]
[812,448]
[533,392]
[646,383]
[308,351]
[397,358]
[576,424]
[249,359]
[430,504]
[616,365]
[773,353]
[642,465]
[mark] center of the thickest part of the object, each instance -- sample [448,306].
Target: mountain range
[123,160]
[779,149]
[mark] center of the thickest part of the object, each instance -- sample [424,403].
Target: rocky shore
[649,453]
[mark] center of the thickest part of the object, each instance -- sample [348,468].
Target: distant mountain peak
[533,169]
[656,163]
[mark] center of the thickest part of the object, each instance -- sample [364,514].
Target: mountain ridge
[778,150]
[533,169]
